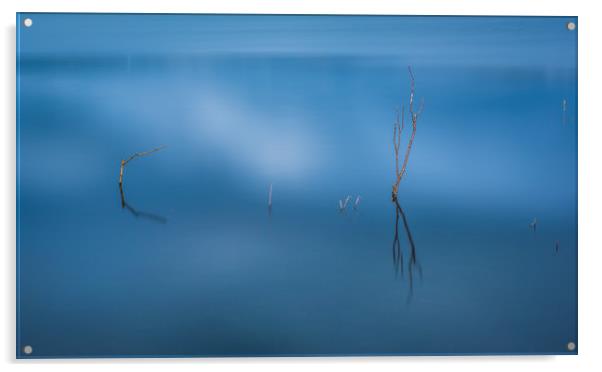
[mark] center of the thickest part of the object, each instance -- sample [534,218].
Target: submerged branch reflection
[398,254]
[138,213]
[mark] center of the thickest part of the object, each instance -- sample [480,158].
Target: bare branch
[421,108]
[144,153]
[411,90]
[134,156]
[411,73]
[408,149]
[398,129]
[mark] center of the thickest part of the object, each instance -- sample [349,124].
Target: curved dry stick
[136,155]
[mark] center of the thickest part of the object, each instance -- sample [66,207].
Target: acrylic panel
[293,185]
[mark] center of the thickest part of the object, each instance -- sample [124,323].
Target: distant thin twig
[533,224]
[357,202]
[343,203]
[270,200]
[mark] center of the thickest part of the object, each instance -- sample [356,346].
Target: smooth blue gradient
[199,267]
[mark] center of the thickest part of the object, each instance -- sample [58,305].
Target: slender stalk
[407,155]
[270,201]
[121,172]
[134,156]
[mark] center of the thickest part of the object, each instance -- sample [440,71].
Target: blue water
[192,262]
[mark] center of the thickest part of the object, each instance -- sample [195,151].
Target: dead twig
[270,201]
[343,203]
[134,156]
[398,128]
[533,224]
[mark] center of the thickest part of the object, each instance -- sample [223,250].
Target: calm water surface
[192,262]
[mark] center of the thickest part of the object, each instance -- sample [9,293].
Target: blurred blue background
[195,264]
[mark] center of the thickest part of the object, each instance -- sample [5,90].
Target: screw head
[27,349]
[27,22]
[571,346]
[571,26]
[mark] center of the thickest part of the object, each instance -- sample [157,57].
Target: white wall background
[590,182]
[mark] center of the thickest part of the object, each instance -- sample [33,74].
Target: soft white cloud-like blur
[276,144]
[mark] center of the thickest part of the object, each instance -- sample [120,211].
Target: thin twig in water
[398,128]
[124,204]
[343,203]
[357,202]
[346,201]
[533,224]
[270,200]
[134,156]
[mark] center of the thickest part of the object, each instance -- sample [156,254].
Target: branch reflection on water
[398,254]
[138,213]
